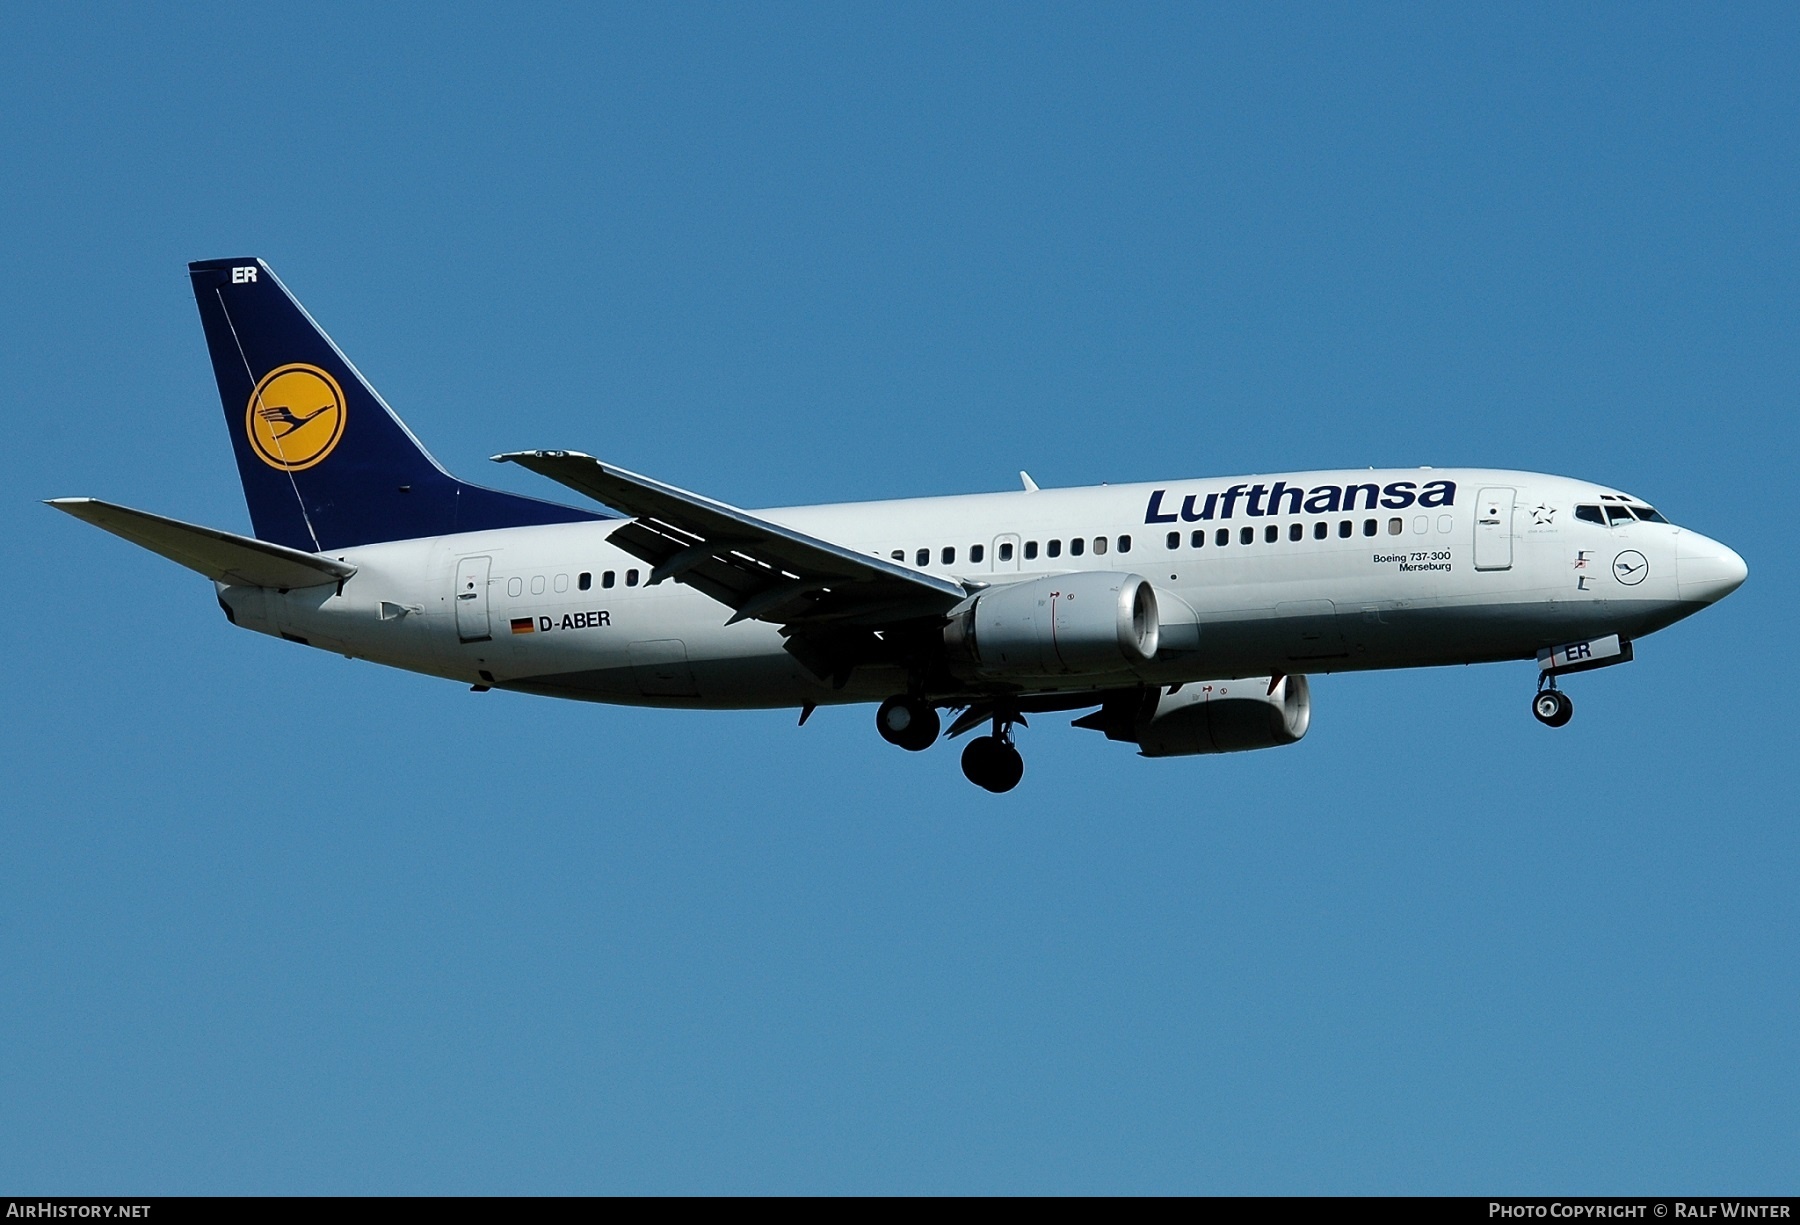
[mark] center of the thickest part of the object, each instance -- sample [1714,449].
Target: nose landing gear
[1552,707]
[908,722]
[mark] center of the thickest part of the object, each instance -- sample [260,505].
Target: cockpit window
[1590,514]
[1617,514]
[1648,514]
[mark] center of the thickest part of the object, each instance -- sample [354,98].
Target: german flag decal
[522,625]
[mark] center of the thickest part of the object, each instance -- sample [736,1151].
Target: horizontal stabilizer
[221,556]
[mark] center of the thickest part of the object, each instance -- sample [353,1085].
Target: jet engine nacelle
[1208,717]
[1090,623]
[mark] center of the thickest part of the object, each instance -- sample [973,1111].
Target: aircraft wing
[222,556]
[760,570]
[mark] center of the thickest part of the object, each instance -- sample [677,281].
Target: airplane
[1183,617]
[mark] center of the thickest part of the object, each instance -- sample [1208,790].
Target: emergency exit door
[472,598]
[1006,554]
[1493,529]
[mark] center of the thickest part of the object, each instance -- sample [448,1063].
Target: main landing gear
[1552,706]
[991,762]
[908,722]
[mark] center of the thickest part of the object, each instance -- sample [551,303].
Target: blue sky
[275,921]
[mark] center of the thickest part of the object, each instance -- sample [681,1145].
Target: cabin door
[1493,529]
[472,598]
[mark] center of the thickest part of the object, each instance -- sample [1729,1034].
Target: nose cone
[1705,570]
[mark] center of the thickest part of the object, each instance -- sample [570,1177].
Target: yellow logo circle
[296,416]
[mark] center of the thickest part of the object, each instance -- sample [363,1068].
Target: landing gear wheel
[991,763]
[1552,708]
[907,722]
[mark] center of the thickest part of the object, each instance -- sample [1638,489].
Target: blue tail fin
[325,462]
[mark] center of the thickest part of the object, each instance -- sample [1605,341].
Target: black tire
[1009,769]
[1565,711]
[992,765]
[917,723]
[1552,708]
[978,760]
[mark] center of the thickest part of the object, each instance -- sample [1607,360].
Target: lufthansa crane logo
[295,417]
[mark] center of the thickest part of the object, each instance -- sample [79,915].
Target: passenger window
[1099,546]
[977,552]
[1369,526]
[1344,529]
[1396,525]
[1296,531]
[1421,524]
[631,577]
[1174,540]
[1321,529]
[606,580]
[1124,544]
[949,555]
[1445,523]
[1199,539]
[1077,547]
[586,581]
[1590,514]
[898,555]
[1246,535]
[515,586]
[562,582]
[1053,549]
[537,584]
[1271,534]
[1030,549]
[1222,537]
[1005,553]
[922,557]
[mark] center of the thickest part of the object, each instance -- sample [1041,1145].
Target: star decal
[1543,516]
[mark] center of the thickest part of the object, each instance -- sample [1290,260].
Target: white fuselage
[1498,568]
